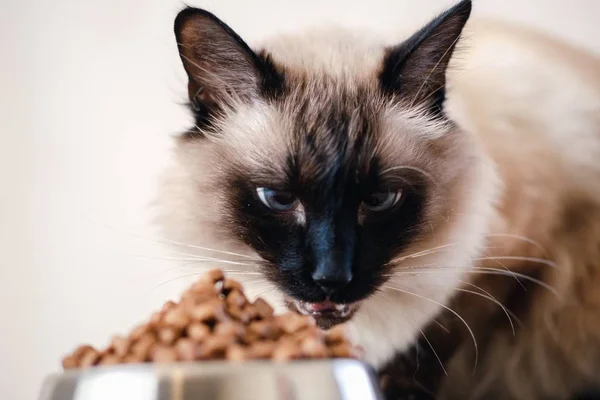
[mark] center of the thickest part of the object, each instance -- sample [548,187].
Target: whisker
[192,265]
[164,240]
[493,300]
[441,326]
[518,258]
[519,237]
[511,273]
[450,310]
[434,352]
[265,292]
[177,278]
[195,258]
[514,317]
[483,271]
[423,252]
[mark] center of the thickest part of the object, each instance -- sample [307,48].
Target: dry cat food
[215,321]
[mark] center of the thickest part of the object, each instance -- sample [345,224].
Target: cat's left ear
[415,70]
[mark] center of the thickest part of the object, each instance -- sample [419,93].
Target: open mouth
[326,313]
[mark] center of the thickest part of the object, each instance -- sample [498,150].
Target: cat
[443,187]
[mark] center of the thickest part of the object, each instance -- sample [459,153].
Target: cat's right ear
[221,67]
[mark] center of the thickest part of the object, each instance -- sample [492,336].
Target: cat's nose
[332,273]
[331,284]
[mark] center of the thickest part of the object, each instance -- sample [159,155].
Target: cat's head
[329,158]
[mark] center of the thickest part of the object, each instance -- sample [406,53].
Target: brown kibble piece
[163,354]
[335,335]
[237,314]
[230,329]
[286,352]
[203,288]
[307,331]
[207,311]
[139,330]
[231,284]
[70,362]
[81,350]
[250,337]
[235,353]
[201,292]
[236,299]
[168,334]
[120,345]
[313,348]
[263,309]
[186,349]
[156,319]
[213,347]
[169,305]
[291,322]
[88,358]
[177,317]
[215,275]
[265,329]
[342,350]
[141,348]
[262,349]
[250,312]
[133,359]
[215,321]
[198,331]
[110,359]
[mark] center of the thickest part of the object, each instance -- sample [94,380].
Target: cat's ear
[220,65]
[415,70]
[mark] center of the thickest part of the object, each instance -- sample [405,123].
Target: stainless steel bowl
[300,380]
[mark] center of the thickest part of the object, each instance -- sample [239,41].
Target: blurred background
[90,95]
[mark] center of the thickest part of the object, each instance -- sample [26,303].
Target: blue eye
[382,201]
[276,200]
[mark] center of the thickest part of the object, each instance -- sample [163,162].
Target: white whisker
[519,237]
[448,309]
[191,258]
[493,300]
[506,309]
[423,252]
[479,270]
[163,240]
[434,352]
[441,326]
[518,258]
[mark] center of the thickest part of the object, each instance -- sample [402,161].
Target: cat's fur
[516,173]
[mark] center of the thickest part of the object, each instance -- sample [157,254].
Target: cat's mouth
[326,313]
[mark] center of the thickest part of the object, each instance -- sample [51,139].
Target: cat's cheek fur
[390,321]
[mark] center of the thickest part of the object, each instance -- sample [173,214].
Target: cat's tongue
[320,307]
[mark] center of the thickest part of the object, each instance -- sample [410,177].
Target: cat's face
[337,168]
[321,196]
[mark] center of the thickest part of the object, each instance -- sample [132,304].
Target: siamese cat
[442,186]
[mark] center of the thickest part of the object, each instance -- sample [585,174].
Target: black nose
[332,272]
[331,284]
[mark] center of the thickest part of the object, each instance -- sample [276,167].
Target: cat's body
[519,176]
[535,104]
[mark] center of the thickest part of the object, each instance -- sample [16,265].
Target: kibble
[215,321]
[198,331]
[163,354]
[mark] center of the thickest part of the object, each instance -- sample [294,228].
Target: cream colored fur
[529,111]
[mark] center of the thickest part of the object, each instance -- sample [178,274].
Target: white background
[89,97]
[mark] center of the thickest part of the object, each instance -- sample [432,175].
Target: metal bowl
[299,380]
